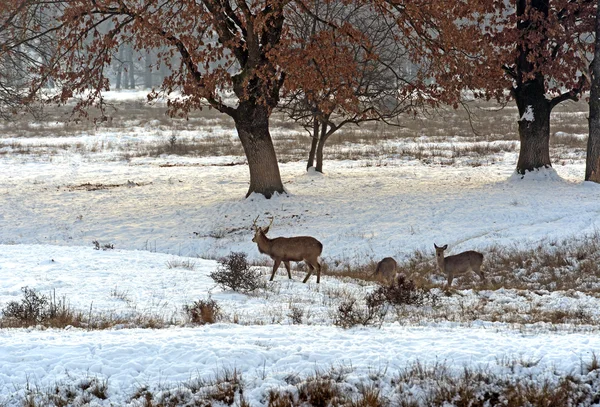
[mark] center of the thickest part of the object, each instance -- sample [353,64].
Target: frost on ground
[164,212]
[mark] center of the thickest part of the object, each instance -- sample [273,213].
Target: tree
[238,48]
[542,56]
[592,164]
[19,55]
[531,48]
[359,81]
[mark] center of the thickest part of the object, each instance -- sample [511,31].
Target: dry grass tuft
[181,264]
[203,312]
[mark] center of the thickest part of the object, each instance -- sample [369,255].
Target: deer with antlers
[286,249]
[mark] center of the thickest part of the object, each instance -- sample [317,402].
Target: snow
[266,355]
[155,214]
[528,114]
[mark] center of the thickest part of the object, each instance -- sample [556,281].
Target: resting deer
[386,269]
[286,249]
[459,263]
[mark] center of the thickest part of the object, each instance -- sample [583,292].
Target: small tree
[363,79]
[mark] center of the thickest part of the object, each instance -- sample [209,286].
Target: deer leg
[287,267]
[450,277]
[275,267]
[318,272]
[480,273]
[310,271]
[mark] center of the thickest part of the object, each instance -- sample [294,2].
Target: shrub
[203,311]
[296,314]
[349,314]
[402,291]
[36,308]
[235,273]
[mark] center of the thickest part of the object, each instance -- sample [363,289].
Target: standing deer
[386,269]
[286,249]
[459,263]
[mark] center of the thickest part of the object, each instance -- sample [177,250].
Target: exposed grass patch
[38,309]
[203,312]
[225,389]
[441,137]
[186,264]
[508,382]
[437,385]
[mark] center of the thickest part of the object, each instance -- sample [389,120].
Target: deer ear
[445,247]
[266,230]
[435,245]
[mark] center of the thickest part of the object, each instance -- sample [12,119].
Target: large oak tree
[528,50]
[233,56]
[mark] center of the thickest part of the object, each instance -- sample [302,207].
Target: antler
[254,226]
[270,223]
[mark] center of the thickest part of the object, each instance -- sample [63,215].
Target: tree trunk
[530,93]
[313,144]
[592,163]
[119,67]
[322,139]
[148,71]
[534,125]
[252,124]
[130,71]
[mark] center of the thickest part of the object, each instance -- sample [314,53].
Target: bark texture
[313,144]
[592,164]
[534,126]
[252,124]
[530,96]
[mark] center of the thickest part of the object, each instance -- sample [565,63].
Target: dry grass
[569,264]
[37,309]
[181,264]
[442,137]
[508,382]
[478,387]
[225,389]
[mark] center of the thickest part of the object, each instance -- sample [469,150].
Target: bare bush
[350,314]
[236,274]
[36,308]
[203,311]
[402,291]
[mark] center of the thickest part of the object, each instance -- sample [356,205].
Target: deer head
[260,232]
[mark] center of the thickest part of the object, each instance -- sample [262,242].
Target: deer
[286,249]
[386,269]
[459,263]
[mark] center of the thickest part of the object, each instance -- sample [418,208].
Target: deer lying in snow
[459,263]
[286,249]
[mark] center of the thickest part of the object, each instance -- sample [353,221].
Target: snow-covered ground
[168,209]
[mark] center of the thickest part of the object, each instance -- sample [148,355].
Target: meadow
[111,232]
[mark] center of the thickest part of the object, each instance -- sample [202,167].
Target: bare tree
[23,49]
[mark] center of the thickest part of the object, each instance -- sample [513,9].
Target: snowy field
[172,209]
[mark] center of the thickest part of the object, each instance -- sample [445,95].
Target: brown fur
[286,249]
[459,263]
[386,269]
